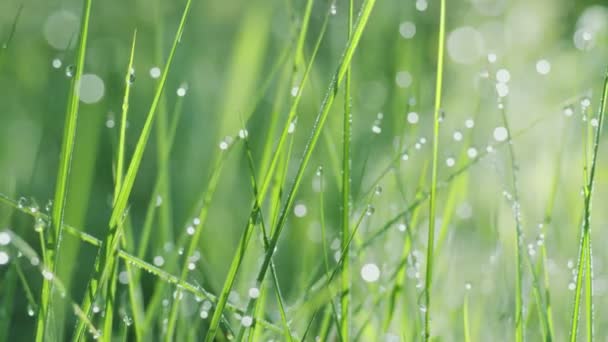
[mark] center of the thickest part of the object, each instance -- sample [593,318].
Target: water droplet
[370,210]
[204,314]
[457,136]
[412,117]
[333,9]
[594,122]
[543,67]
[401,227]
[320,171]
[159,200]
[403,79]
[155,72]
[131,78]
[69,71]
[585,102]
[5,238]
[191,266]
[378,190]
[370,272]
[4,258]
[300,210]
[56,63]
[492,57]
[247,321]
[181,91]
[571,286]
[22,202]
[254,292]
[30,310]
[500,133]
[405,156]
[48,275]
[421,5]
[243,133]
[570,263]
[407,29]
[35,261]
[450,162]
[568,111]
[468,286]
[223,145]
[472,152]
[292,127]
[503,76]
[294,91]
[49,206]
[190,230]
[39,225]
[376,129]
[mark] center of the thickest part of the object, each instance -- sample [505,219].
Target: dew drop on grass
[294,91]
[247,321]
[5,238]
[223,145]
[56,63]
[30,310]
[370,273]
[243,133]
[254,292]
[570,264]
[333,9]
[405,157]
[472,152]
[191,266]
[407,30]
[110,123]
[457,136]
[300,210]
[378,190]
[500,133]
[568,111]
[468,286]
[181,91]
[543,67]
[204,314]
[96,308]
[450,162]
[34,261]
[48,275]
[492,57]
[320,171]
[292,127]
[594,122]
[39,225]
[22,202]
[190,230]
[69,71]
[401,227]
[417,146]
[412,118]
[585,102]
[131,78]
[376,129]
[4,258]
[421,5]
[469,123]
[571,286]
[155,72]
[403,79]
[503,76]
[159,200]
[123,277]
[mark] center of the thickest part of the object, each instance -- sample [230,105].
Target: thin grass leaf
[432,199]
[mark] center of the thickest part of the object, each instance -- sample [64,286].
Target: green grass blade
[346,195]
[61,185]
[432,198]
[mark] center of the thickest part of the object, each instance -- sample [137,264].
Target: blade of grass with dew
[585,246]
[519,326]
[346,196]
[432,198]
[108,258]
[61,185]
[108,317]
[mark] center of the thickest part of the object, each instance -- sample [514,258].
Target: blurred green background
[555,54]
